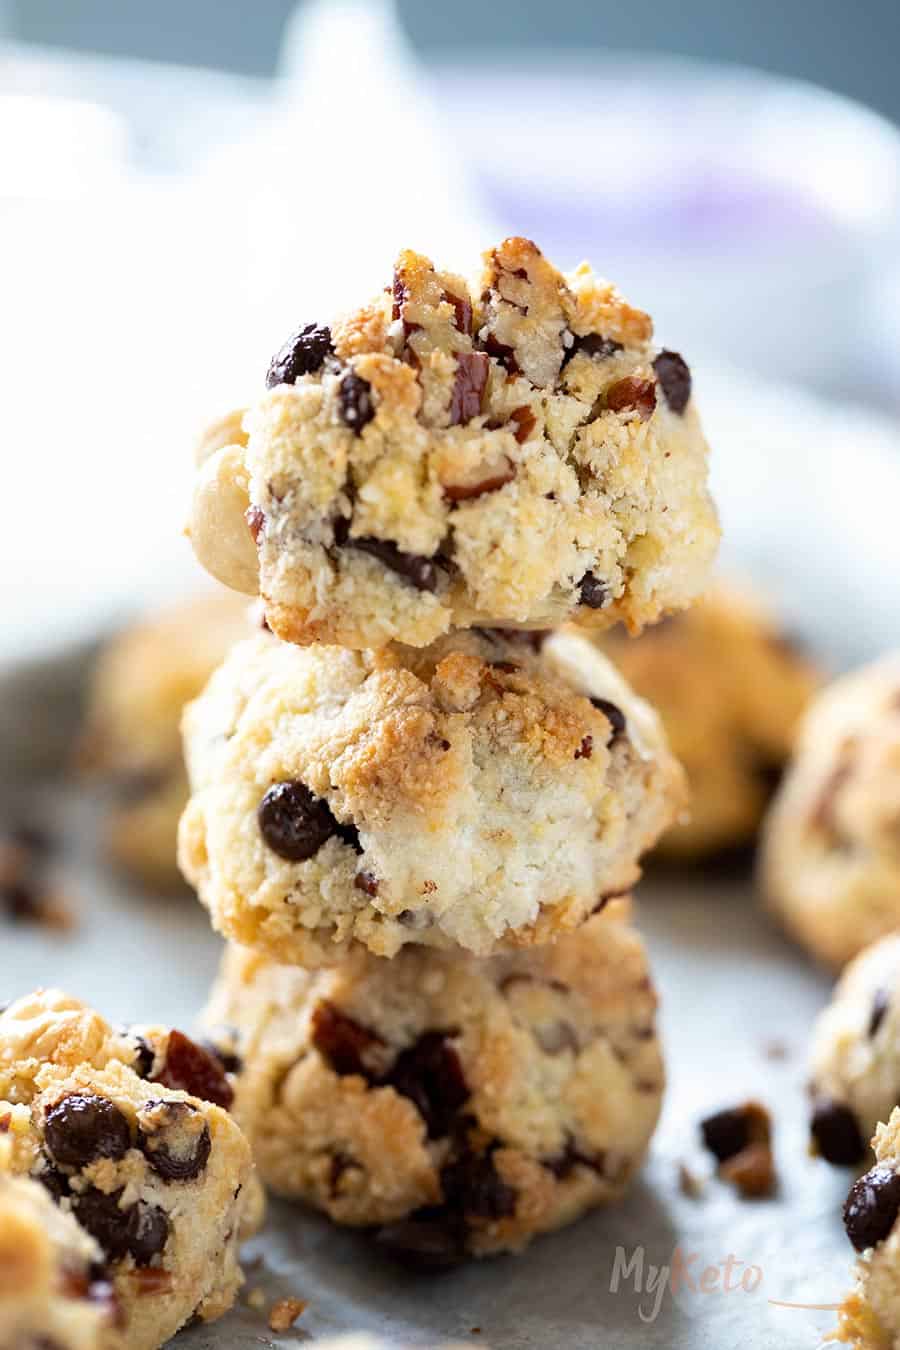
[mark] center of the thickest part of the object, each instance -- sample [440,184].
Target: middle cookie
[479,793]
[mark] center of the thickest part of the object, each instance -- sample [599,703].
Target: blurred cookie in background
[830,863]
[131,740]
[730,688]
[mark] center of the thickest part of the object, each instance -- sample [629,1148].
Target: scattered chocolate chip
[345,1043]
[632,394]
[614,716]
[140,1230]
[674,375]
[462,312]
[429,1073]
[592,592]
[366,882]
[505,356]
[190,1068]
[836,1134]
[872,1207]
[592,344]
[726,1133]
[525,422]
[256,522]
[880,1004]
[82,1127]
[302,354]
[586,749]
[420,571]
[461,492]
[426,1241]
[295,823]
[740,1138]
[175,1139]
[472,370]
[22,902]
[355,401]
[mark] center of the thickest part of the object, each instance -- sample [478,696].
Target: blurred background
[182,183]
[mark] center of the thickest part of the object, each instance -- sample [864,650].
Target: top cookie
[512,454]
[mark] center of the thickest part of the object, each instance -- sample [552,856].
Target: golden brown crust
[448,456]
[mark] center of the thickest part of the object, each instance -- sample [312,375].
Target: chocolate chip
[472,370]
[728,1133]
[344,1042]
[424,1241]
[302,354]
[836,1132]
[401,295]
[872,1207]
[505,356]
[190,1068]
[586,748]
[82,1127]
[21,901]
[355,401]
[421,572]
[592,344]
[54,1181]
[429,1073]
[674,375]
[563,1164]
[614,716]
[592,592]
[366,882]
[632,394]
[140,1231]
[145,1056]
[220,1046]
[880,1004]
[256,522]
[462,312]
[295,823]
[725,1133]
[175,1139]
[472,1186]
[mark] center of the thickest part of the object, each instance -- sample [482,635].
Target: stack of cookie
[415,811]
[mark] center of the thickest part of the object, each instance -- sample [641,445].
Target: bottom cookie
[870,1315]
[458,1106]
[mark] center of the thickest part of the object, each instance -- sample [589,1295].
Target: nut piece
[217,527]
[227,430]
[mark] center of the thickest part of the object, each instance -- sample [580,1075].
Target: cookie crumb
[284,1313]
[689,1183]
[256,1299]
[776,1050]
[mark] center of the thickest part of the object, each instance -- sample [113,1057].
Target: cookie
[830,861]
[869,1318]
[54,1290]
[463,795]
[460,1106]
[855,1060]
[730,689]
[114,1127]
[512,453]
[141,682]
